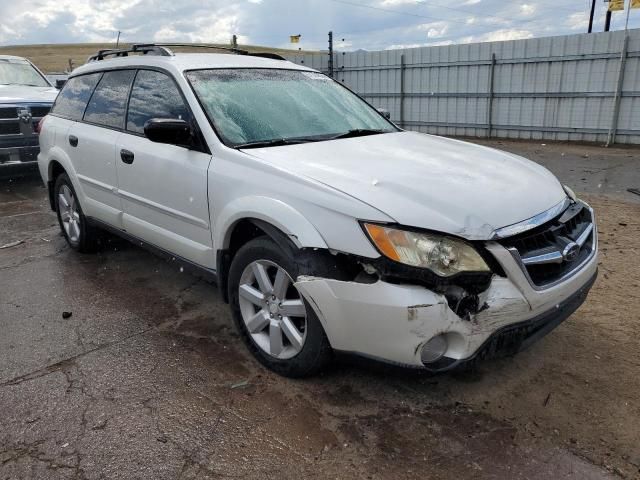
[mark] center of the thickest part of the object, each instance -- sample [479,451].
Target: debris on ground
[12,244]
[634,190]
[242,384]
[66,315]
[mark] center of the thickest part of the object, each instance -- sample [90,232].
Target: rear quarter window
[73,98]
[109,100]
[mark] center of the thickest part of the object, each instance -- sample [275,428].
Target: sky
[357,24]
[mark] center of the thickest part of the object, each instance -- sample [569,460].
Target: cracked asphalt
[147,379]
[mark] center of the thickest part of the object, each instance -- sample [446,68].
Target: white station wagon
[327,228]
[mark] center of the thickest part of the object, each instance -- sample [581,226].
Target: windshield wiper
[276,142]
[358,132]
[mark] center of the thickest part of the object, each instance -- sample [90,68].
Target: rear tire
[79,234]
[278,326]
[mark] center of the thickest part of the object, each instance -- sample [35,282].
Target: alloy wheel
[272,309]
[69,213]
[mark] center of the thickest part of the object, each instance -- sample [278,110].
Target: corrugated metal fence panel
[555,88]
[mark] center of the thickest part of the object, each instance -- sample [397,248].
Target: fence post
[491,94]
[402,73]
[611,138]
[330,65]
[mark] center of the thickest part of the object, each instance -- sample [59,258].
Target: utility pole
[626,23]
[607,21]
[331,54]
[118,39]
[593,9]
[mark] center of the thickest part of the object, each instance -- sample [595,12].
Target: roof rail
[144,48]
[162,50]
[238,51]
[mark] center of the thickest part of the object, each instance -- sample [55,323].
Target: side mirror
[60,83]
[168,130]
[385,113]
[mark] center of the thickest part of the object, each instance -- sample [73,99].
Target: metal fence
[576,87]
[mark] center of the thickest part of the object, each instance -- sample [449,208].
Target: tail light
[38,128]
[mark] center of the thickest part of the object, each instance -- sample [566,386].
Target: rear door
[67,110]
[93,145]
[163,187]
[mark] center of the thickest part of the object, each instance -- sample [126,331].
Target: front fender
[282,216]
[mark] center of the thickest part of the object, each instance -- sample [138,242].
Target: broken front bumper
[392,322]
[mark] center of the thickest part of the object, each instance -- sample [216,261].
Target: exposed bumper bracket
[513,338]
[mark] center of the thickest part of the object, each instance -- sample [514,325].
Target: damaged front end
[411,316]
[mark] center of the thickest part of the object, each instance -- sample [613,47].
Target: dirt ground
[147,378]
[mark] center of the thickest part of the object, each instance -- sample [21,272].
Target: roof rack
[143,48]
[162,50]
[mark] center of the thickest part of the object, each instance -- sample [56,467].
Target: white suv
[326,227]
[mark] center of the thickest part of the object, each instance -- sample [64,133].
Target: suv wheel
[79,235]
[279,327]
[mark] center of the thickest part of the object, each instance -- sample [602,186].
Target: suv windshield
[269,107]
[20,72]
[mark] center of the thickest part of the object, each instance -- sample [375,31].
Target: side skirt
[205,273]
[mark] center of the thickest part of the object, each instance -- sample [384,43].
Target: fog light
[434,349]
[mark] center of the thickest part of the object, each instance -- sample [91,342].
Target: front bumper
[20,154]
[392,322]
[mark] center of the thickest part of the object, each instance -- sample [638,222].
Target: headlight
[570,193]
[443,255]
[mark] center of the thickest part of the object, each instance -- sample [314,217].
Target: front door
[163,187]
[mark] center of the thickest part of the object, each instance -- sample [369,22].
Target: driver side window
[154,95]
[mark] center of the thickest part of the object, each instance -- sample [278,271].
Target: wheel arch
[57,163]
[279,215]
[250,217]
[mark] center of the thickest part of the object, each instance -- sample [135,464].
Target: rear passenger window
[73,98]
[154,95]
[109,100]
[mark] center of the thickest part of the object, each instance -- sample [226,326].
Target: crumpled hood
[426,181]
[27,94]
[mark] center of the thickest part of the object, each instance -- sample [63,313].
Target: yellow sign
[294,38]
[616,5]
[635,3]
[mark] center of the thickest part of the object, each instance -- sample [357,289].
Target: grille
[8,112]
[40,111]
[10,124]
[10,128]
[544,251]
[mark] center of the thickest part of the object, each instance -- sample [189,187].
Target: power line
[440,19]
[398,12]
[468,12]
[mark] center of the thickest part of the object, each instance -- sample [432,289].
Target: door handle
[73,140]
[126,156]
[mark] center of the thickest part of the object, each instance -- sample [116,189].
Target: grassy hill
[55,57]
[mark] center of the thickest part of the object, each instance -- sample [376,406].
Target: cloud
[435,29]
[578,21]
[527,9]
[506,34]
[400,2]
[363,24]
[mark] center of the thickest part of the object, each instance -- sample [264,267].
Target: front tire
[278,326]
[79,234]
